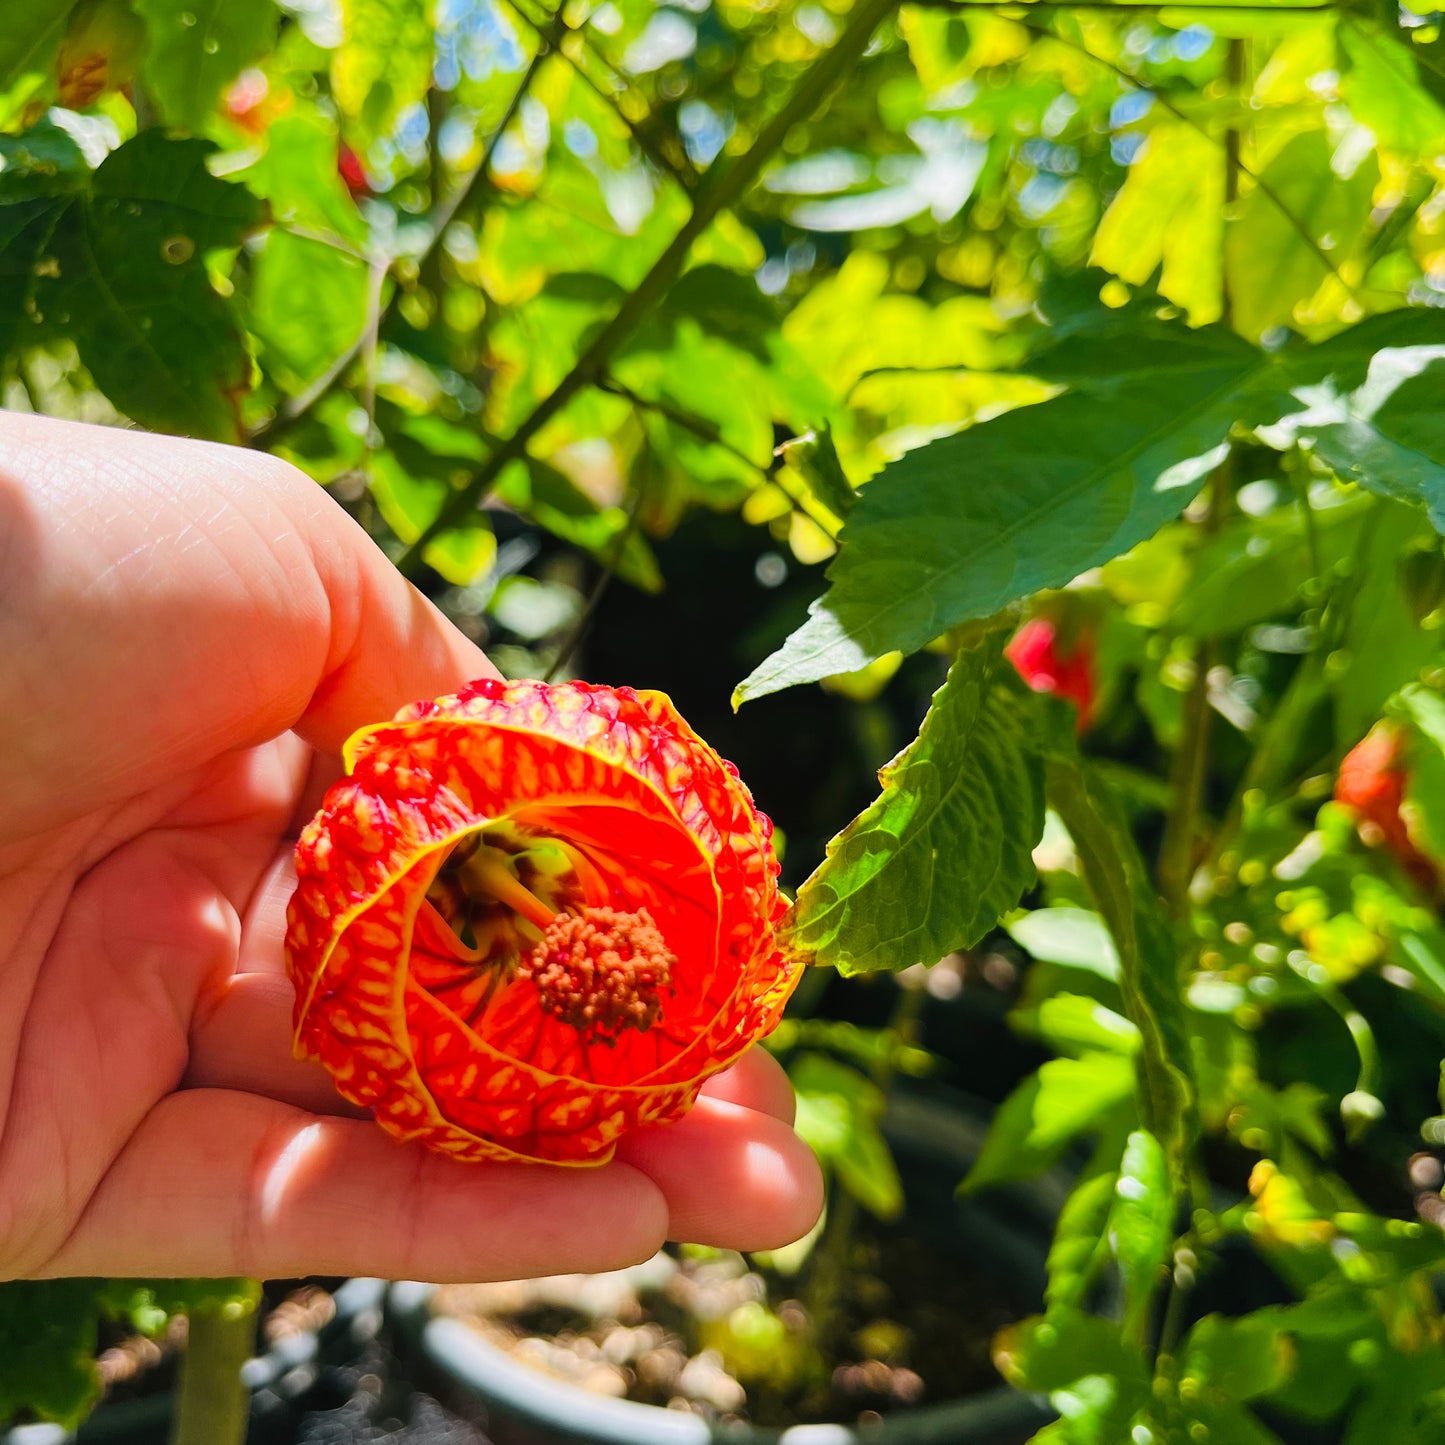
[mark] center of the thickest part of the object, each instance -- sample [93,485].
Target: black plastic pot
[1008,1234]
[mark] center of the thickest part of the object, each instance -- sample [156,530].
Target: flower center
[601,971]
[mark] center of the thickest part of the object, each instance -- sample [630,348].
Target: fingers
[219,1183]
[757,1081]
[176,600]
[732,1177]
[243,1042]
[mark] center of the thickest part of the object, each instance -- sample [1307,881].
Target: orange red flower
[532,918]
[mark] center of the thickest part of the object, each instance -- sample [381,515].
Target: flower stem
[213,1406]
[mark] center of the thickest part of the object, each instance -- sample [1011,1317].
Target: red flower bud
[1372,781]
[533,917]
[351,171]
[1046,667]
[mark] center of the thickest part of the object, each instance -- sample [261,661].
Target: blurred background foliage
[1112,328]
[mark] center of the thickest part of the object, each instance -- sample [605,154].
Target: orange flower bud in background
[532,918]
[1372,781]
[1046,666]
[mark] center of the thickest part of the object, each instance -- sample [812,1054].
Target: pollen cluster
[601,971]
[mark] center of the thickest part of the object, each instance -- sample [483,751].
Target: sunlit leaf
[1381,83]
[126,280]
[197,47]
[1073,936]
[1062,1100]
[944,850]
[1303,219]
[308,306]
[1078,1243]
[1094,1380]
[1240,1358]
[1169,214]
[1073,1024]
[838,1112]
[1141,1224]
[961,527]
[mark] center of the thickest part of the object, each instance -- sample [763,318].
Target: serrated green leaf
[197,47]
[163,180]
[128,285]
[959,528]
[945,849]
[1062,1100]
[1141,1225]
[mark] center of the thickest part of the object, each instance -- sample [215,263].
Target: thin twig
[1191,759]
[294,410]
[722,187]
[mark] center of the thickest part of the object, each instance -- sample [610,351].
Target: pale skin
[188,633]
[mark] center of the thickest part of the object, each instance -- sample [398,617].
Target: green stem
[213,1405]
[1177,855]
[722,187]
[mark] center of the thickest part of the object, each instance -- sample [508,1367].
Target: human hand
[188,633]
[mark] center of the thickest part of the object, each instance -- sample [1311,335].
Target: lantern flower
[533,917]
[1372,781]
[1046,666]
